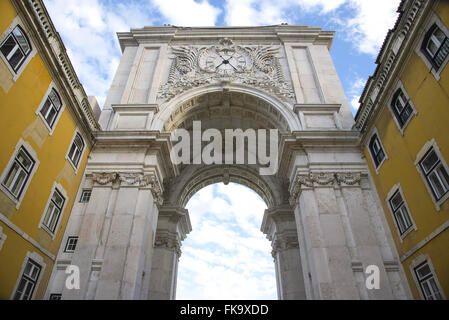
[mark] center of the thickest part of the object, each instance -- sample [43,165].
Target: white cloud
[226,256]
[188,12]
[355,91]
[368,28]
[365,23]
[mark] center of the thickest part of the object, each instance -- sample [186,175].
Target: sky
[225,256]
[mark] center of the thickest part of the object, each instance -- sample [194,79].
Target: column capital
[168,240]
[284,241]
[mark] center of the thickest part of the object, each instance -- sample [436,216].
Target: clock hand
[229,62]
[221,56]
[236,69]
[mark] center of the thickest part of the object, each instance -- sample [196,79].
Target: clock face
[225,62]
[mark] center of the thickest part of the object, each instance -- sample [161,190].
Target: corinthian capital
[284,241]
[168,240]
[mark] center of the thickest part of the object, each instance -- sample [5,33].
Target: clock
[224,62]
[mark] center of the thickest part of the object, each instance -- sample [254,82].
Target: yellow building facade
[47,126]
[403,117]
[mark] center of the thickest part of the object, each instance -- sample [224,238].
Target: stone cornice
[53,52]
[266,34]
[395,51]
[178,217]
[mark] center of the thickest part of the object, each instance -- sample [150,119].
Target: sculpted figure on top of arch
[256,66]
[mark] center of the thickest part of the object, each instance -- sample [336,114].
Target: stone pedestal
[279,226]
[172,227]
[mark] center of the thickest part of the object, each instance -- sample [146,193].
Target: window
[435,46]
[85,195]
[15,48]
[427,282]
[51,108]
[28,281]
[76,149]
[400,212]
[435,174]
[55,296]
[71,244]
[19,173]
[401,107]
[376,150]
[54,210]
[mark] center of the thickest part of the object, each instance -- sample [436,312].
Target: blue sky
[226,256]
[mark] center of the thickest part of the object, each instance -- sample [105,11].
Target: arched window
[51,108]
[401,107]
[435,46]
[16,48]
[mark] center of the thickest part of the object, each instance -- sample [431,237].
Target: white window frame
[61,190]
[419,157]
[375,132]
[418,261]
[41,104]
[433,20]
[37,258]
[16,74]
[33,155]
[400,86]
[75,167]
[397,188]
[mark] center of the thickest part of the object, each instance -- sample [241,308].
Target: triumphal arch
[324,219]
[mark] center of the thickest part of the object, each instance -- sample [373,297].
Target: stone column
[280,227]
[90,232]
[172,227]
[128,242]
[337,235]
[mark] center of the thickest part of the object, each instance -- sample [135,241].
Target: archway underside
[195,177]
[224,109]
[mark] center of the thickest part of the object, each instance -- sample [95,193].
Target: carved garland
[329,178]
[131,179]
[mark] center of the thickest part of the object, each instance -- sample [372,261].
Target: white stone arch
[195,177]
[285,109]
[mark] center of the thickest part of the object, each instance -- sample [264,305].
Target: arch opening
[226,256]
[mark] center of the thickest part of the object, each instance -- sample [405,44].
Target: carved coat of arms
[256,66]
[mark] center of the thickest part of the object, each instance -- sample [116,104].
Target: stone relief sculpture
[256,66]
